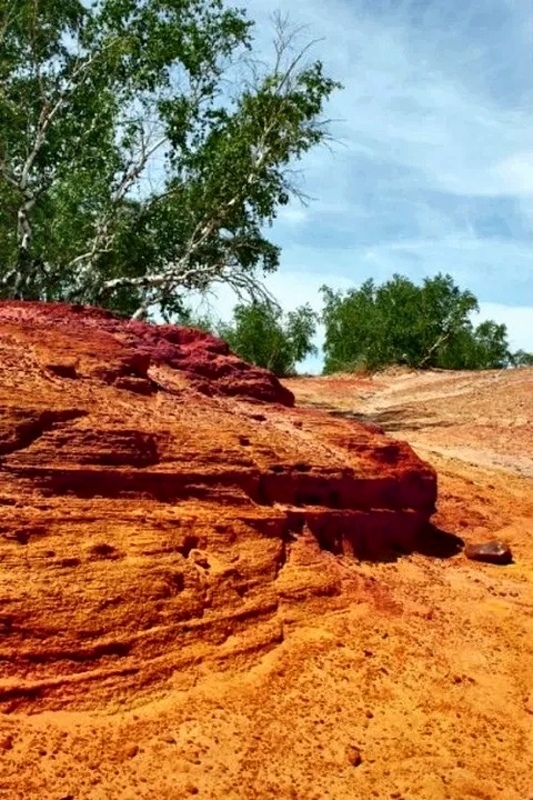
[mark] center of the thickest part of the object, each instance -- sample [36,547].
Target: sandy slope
[415,683]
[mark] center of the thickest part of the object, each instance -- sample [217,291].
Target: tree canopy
[262,334]
[424,326]
[143,150]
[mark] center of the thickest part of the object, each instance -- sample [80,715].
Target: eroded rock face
[162,504]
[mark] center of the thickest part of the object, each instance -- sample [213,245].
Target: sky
[431,168]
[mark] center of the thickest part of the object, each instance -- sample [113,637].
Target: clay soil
[416,683]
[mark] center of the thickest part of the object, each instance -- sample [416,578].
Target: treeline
[372,327]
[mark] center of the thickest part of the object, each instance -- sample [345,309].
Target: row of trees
[371,327]
[425,326]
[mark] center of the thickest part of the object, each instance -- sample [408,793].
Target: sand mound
[163,504]
[173,579]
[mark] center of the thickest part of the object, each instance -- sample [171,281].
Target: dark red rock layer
[126,350]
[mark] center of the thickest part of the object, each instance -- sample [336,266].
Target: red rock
[154,516]
[492,552]
[6,743]
[353,755]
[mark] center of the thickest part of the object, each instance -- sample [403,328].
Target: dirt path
[476,429]
[483,419]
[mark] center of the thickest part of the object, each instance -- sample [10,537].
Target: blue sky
[432,168]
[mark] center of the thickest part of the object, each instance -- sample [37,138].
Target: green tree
[401,323]
[142,152]
[522,359]
[349,321]
[262,334]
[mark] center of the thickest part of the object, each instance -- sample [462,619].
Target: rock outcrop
[163,503]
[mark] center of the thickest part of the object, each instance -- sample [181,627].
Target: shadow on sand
[436,543]
[391,420]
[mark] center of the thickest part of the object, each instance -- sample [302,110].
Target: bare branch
[104,236]
[134,170]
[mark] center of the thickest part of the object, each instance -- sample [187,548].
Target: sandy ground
[415,684]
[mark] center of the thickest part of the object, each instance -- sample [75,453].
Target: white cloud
[518,319]
[293,215]
[483,266]
[291,288]
[517,173]
[410,96]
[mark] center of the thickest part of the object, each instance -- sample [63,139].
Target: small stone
[200,559]
[133,384]
[6,743]
[132,751]
[354,755]
[493,552]
[63,370]
[102,550]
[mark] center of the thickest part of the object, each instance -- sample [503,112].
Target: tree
[483,347]
[263,335]
[141,153]
[401,323]
[522,359]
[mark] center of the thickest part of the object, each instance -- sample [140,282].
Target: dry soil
[415,684]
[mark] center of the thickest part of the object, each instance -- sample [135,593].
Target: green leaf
[129,172]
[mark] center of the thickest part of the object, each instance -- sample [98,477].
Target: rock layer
[163,504]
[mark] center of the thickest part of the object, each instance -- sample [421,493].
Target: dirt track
[476,429]
[415,684]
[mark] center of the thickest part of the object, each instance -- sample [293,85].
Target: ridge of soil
[410,679]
